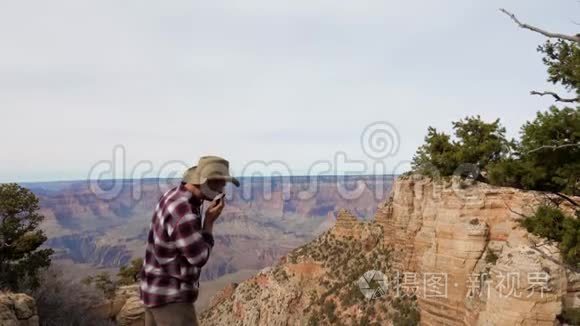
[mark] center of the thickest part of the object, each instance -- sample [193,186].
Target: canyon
[266,217]
[489,270]
[456,229]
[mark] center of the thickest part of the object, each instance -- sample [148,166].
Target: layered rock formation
[313,284]
[85,248]
[263,220]
[317,283]
[451,228]
[17,309]
[125,308]
[488,270]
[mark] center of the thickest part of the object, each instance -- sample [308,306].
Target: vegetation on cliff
[476,145]
[21,258]
[345,259]
[25,266]
[130,274]
[316,284]
[107,285]
[546,156]
[551,223]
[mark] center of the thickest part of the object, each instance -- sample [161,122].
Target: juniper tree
[21,257]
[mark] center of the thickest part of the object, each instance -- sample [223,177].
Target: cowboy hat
[208,168]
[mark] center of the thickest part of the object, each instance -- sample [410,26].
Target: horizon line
[239,177]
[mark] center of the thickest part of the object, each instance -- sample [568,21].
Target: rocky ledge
[17,309]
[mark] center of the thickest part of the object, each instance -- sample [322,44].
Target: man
[178,245]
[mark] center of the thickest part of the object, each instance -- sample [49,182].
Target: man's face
[212,188]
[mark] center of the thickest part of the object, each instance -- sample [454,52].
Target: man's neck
[195,200]
[196,197]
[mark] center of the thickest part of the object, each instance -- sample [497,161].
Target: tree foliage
[476,144]
[21,257]
[102,282]
[570,316]
[547,157]
[551,223]
[562,59]
[105,283]
[130,274]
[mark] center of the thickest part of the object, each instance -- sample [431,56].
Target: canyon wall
[496,273]
[264,219]
[491,270]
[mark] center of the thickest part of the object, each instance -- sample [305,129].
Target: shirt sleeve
[190,241]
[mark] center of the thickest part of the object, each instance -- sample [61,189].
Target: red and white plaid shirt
[177,248]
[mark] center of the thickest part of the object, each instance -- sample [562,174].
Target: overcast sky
[295,81]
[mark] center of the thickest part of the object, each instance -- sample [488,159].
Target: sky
[273,86]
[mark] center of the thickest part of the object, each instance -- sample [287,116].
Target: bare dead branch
[553,200]
[573,38]
[566,198]
[557,97]
[552,147]
[514,211]
[555,261]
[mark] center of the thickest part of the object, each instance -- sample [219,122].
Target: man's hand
[212,213]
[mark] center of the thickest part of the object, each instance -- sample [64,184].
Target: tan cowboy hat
[208,168]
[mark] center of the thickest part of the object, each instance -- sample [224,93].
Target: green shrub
[570,245]
[570,316]
[476,142]
[314,320]
[329,308]
[130,274]
[547,157]
[406,312]
[551,223]
[102,282]
[547,222]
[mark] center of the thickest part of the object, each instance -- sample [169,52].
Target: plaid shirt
[177,248]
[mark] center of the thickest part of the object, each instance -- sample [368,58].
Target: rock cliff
[125,308]
[488,270]
[497,273]
[317,284]
[17,309]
